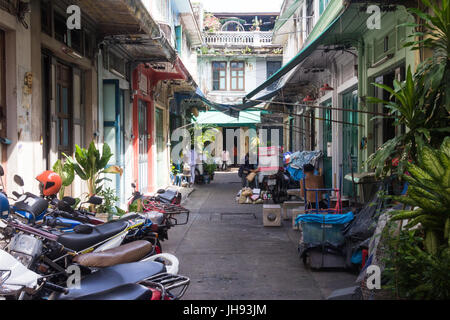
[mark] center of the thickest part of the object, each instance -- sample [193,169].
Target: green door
[160,173]
[327,138]
[350,138]
[113,113]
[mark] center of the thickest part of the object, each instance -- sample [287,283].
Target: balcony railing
[236,38]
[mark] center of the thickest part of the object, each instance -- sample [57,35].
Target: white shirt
[225,155]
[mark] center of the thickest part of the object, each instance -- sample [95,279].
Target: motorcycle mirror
[64,206]
[69,200]
[95,200]
[2,172]
[133,185]
[18,179]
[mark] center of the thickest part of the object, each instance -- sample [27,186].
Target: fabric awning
[287,15]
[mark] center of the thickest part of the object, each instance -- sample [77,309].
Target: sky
[242,5]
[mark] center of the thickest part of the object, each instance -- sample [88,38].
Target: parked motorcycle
[164,214]
[144,280]
[34,210]
[277,185]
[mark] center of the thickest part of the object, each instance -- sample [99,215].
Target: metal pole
[323,107]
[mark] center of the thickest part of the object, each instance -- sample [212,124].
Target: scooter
[163,215]
[34,210]
[144,280]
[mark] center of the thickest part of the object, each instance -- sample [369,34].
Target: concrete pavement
[228,254]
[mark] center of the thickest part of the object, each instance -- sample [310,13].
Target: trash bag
[365,222]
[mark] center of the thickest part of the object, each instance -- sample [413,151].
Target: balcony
[239,38]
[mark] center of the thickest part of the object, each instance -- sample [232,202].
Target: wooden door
[64,111]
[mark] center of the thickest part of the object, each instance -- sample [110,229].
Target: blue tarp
[326,218]
[301,158]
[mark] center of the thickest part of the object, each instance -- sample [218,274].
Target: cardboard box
[272,215]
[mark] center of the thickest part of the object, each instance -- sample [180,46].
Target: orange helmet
[50,183]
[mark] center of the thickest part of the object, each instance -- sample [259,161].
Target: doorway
[327,141]
[2,97]
[143,146]
[113,115]
[160,147]
[350,138]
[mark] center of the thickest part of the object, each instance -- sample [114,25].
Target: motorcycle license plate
[272,182]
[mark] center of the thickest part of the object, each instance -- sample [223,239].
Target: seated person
[247,168]
[312,182]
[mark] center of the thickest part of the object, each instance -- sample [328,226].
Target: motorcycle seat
[112,277]
[124,293]
[130,252]
[79,241]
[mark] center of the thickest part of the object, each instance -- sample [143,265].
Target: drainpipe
[98,134]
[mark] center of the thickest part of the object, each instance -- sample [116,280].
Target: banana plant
[67,174]
[422,102]
[429,194]
[90,165]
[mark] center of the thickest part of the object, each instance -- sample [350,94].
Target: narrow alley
[228,254]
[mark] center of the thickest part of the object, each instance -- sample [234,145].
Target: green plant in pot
[90,166]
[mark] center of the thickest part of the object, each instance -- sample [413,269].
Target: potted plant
[90,165]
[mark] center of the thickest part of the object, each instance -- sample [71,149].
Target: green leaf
[106,156]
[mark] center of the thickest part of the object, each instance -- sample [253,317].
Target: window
[323,5]
[272,68]
[64,109]
[46,17]
[237,76]
[76,40]
[309,16]
[219,75]
[60,28]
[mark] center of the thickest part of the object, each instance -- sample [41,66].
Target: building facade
[62,87]
[338,58]
[237,56]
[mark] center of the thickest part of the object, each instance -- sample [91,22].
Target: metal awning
[301,56]
[127,23]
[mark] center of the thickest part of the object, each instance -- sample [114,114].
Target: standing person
[192,160]
[225,159]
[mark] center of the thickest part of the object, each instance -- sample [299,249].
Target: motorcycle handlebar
[56,223]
